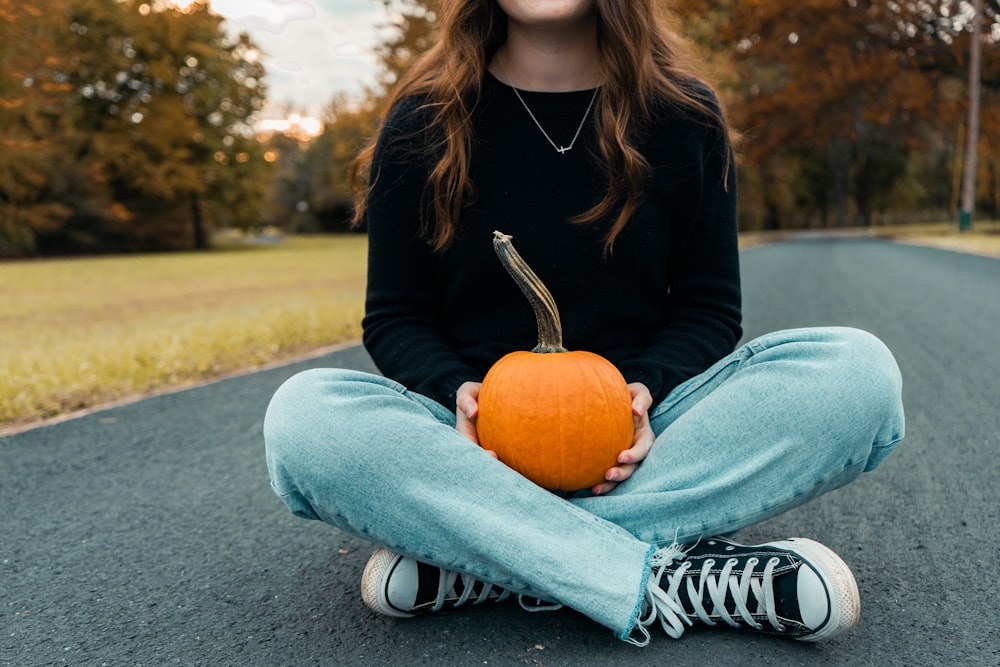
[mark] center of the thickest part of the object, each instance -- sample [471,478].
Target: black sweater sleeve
[402,331]
[703,302]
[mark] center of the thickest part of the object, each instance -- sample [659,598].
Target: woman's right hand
[642,441]
[467,410]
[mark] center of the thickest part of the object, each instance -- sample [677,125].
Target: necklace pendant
[562,150]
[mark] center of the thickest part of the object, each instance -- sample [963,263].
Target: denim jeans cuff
[634,618]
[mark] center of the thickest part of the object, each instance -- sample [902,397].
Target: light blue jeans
[785,418]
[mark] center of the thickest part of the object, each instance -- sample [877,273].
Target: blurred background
[131,125]
[174,197]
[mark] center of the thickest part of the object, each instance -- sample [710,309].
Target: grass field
[79,333]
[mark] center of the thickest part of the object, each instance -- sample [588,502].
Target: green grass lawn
[76,333]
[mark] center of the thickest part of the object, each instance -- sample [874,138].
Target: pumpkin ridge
[592,371]
[611,396]
[564,452]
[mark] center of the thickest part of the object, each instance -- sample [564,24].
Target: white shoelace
[665,604]
[446,592]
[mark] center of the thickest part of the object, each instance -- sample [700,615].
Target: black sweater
[663,307]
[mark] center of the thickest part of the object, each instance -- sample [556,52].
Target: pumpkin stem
[546,312]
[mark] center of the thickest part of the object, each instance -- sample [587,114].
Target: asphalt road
[147,534]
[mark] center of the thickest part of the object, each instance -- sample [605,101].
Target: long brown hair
[642,59]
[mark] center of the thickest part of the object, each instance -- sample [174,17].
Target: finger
[641,405]
[603,488]
[469,408]
[620,473]
[466,427]
[467,399]
[639,450]
[614,476]
[642,400]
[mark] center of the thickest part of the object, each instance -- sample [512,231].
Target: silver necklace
[562,150]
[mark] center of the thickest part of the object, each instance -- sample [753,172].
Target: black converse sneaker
[794,588]
[398,586]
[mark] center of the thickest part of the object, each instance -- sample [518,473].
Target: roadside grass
[75,333]
[983,239]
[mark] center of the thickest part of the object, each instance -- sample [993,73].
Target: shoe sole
[373,580]
[845,602]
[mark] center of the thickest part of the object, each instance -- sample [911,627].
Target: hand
[642,441]
[466,411]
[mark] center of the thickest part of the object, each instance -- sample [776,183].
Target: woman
[579,128]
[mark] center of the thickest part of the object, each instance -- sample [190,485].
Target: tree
[316,177]
[857,85]
[126,126]
[29,108]
[174,110]
[414,23]
[348,127]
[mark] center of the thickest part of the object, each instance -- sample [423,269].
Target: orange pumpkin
[559,418]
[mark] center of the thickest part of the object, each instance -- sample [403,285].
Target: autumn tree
[349,126]
[838,95]
[30,108]
[127,126]
[415,25]
[321,172]
[171,106]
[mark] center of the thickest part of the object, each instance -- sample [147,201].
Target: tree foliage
[415,24]
[313,186]
[128,126]
[28,113]
[845,100]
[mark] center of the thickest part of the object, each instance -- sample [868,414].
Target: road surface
[147,534]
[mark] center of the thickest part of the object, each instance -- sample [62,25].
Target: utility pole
[972,136]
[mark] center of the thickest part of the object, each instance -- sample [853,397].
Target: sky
[313,49]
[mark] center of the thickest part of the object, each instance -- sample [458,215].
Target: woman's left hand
[467,410]
[642,441]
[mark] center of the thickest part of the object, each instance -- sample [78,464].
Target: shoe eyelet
[774,560]
[733,561]
[730,548]
[711,543]
[753,560]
